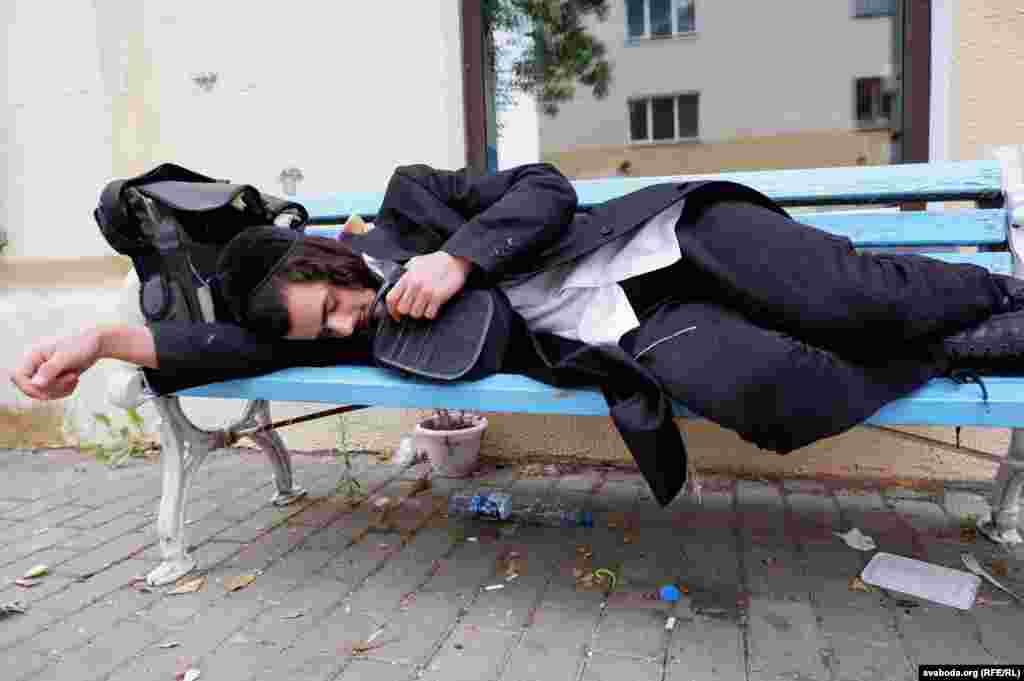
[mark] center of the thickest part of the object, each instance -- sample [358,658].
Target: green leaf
[103,418]
[135,418]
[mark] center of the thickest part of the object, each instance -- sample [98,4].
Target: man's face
[321,309]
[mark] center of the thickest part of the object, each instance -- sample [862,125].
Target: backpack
[173,222]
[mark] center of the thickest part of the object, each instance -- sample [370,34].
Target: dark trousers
[786,335]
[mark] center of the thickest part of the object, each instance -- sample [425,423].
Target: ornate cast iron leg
[1004,526]
[257,413]
[184,448]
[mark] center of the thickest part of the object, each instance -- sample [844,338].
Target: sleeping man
[707,293]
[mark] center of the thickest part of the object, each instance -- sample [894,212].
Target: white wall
[57,128]
[96,89]
[760,67]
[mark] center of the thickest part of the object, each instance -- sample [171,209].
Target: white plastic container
[935,583]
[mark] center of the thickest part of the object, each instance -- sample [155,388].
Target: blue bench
[994,190]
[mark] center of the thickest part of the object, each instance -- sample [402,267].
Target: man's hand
[428,283]
[51,369]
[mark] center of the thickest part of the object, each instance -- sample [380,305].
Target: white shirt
[582,299]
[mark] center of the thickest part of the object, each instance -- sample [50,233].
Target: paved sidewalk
[344,593]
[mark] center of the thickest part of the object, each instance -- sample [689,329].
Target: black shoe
[996,345]
[1013,290]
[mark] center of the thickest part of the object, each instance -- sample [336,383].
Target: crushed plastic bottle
[496,505]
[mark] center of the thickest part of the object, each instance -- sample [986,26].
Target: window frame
[857,11]
[650,118]
[673,17]
[878,121]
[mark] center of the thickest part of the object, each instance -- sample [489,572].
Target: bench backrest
[983,223]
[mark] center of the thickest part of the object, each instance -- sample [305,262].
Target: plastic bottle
[498,505]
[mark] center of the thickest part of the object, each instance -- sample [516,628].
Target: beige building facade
[768,85]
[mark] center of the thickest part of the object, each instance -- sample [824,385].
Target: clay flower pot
[452,446]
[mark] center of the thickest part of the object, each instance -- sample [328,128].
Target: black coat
[509,224]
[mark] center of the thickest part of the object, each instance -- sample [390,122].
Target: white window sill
[880,124]
[651,143]
[649,40]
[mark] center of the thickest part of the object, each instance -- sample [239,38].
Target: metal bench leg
[1004,526]
[184,448]
[257,413]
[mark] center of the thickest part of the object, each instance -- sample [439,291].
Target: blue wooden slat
[921,228]
[957,180]
[935,228]
[1000,262]
[941,402]
[337,206]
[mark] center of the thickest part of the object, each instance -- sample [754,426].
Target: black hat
[249,261]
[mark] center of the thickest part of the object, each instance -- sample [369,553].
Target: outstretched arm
[52,368]
[179,354]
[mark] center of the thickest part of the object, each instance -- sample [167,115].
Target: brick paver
[342,592]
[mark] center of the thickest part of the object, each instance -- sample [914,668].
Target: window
[873,104]
[665,118]
[874,8]
[659,18]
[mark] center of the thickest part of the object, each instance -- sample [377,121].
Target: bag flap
[201,197]
[446,347]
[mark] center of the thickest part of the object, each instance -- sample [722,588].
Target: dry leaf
[37,571]
[629,536]
[858,584]
[368,645]
[417,486]
[585,551]
[189,586]
[238,582]
[531,470]
[27,583]
[999,567]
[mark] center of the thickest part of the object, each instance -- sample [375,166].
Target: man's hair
[314,258]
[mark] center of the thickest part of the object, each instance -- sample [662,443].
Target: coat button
[606,230]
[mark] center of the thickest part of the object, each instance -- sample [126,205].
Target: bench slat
[999,262]
[941,402]
[921,228]
[897,228]
[951,181]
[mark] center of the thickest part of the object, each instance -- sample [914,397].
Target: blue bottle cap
[669,593]
[587,519]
